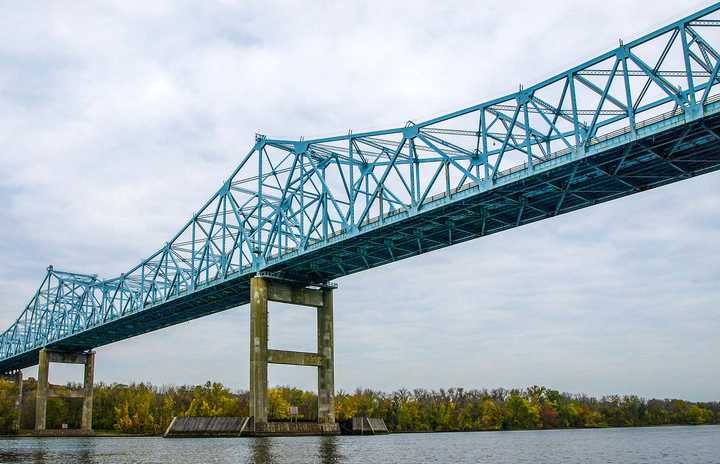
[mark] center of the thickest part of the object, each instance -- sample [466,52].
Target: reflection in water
[260,451]
[265,450]
[329,451]
[45,451]
[658,445]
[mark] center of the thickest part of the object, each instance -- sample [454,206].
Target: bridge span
[301,213]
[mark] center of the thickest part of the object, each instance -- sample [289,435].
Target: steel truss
[639,116]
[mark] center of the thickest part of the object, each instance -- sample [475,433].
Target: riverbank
[96,434]
[114,434]
[147,409]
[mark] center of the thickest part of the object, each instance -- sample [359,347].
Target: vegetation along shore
[143,408]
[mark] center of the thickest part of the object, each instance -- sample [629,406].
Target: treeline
[144,408]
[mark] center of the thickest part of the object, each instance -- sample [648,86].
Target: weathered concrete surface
[66,358]
[326,350]
[53,393]
[295,358]
[258,348]
[88,378]
[243,426]
[44,391]
[41,393]
[283,292]
[207,427]
[368,426]
[283,429]
[64,433]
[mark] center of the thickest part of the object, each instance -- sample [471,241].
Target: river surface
[623,446]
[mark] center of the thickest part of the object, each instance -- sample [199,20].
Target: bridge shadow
[269,451]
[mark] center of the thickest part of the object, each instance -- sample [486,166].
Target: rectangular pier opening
[292,327]
[301,384]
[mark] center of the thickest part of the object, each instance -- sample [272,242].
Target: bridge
[296,214]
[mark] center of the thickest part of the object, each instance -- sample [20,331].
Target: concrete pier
[258,349]
[262,290]
[326,370]
[44,390]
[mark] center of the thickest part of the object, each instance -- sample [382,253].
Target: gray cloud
[118,119]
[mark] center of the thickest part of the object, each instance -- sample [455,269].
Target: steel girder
[639,116]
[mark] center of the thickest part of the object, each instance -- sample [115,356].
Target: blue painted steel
[642,115]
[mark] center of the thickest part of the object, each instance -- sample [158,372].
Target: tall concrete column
[87,411]
[326,349]
[41,392]
[258,349]
[18,400]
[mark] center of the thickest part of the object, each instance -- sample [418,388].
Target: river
[691,445]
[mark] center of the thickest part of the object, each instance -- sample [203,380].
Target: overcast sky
[118,119]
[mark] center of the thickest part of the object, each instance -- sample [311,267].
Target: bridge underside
[666,157]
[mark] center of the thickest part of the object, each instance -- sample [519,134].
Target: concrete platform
[293,429]
[63,433]
[244,427]
[216,426]
[360,425]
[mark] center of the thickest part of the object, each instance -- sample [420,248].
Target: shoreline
[107,434]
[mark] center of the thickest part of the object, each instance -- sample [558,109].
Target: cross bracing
[640,116]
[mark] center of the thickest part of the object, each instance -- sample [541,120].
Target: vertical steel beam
[688,66]
[628,94]
[258,349]
[326,350]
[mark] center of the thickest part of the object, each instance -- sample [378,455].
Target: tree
[8,415]
[520,413]
[492,416]
[278,405]
[144,408]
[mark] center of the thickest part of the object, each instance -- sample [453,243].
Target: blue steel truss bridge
[640,116]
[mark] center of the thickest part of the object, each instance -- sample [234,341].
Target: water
[660,445]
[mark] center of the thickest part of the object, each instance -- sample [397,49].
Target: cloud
[118,119]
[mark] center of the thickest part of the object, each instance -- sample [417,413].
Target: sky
[118,119]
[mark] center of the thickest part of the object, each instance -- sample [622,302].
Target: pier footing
[293,429]
[63,433]
[183,427]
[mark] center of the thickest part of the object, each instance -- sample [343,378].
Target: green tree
[520,413]
[8,395]
[492,416]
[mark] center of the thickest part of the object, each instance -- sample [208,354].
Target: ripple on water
[658,445]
